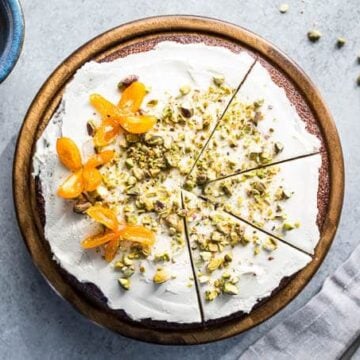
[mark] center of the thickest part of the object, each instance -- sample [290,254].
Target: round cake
[181,182]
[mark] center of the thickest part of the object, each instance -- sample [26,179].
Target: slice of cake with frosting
[260,127]
[281,199]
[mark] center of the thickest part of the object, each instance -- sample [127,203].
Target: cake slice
[261,126]
[236,265]
[281,199]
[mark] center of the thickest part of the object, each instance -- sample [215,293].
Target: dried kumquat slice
[138,124]
[69,154]
[106,108]
[111,248]
[100,159]
[132,97]
[138,234]
[98,240]
[72,187]
[91,178]
[106,133]
[104,216]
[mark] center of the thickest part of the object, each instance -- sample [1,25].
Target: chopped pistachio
[132,138]
[154,172]
[282,194]
[314,35]
[214,264]
[201,179]
[213,247]
[152,103]
[119,265]
[230,289]
[358,81]
[128,271]
[218,79]
[226,275]
[288,227]
[226,188]
[162,257]
[127,261]
[184,90]
[340,42]
[124,283]
[205,255]
[211,295]
[138,173]
[131,180]
[142,269]
[279,147]
[216,236]
[203,279]
[129,163]
[189,184]
[153,139]
[172,220]
[161,276]
[283,8]
[270,244]
[172,159]
[265,157]
[228,257]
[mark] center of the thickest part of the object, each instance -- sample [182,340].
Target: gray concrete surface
[34,322]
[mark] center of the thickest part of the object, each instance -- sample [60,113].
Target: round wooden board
[44,106]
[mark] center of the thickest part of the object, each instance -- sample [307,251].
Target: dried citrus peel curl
[84,177]
[124,115]
[115,232]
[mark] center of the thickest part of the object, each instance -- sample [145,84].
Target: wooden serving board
[127,37]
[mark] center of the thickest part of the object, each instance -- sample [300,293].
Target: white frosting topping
[258,275]
[164,69]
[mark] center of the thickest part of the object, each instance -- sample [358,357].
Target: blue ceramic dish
[11,35]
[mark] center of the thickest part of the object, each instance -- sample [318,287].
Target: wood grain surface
[48,98]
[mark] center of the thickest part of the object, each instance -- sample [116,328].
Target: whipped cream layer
[284,203]
[164,69]
[256,268]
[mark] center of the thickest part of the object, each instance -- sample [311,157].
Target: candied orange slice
[111,249]
[72,187]
[91,178]
[137,124]
[100,158]
[98,240]
[104,216]
[132,97]
[106,108]
[138,234]
[106,133]
[68,153]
